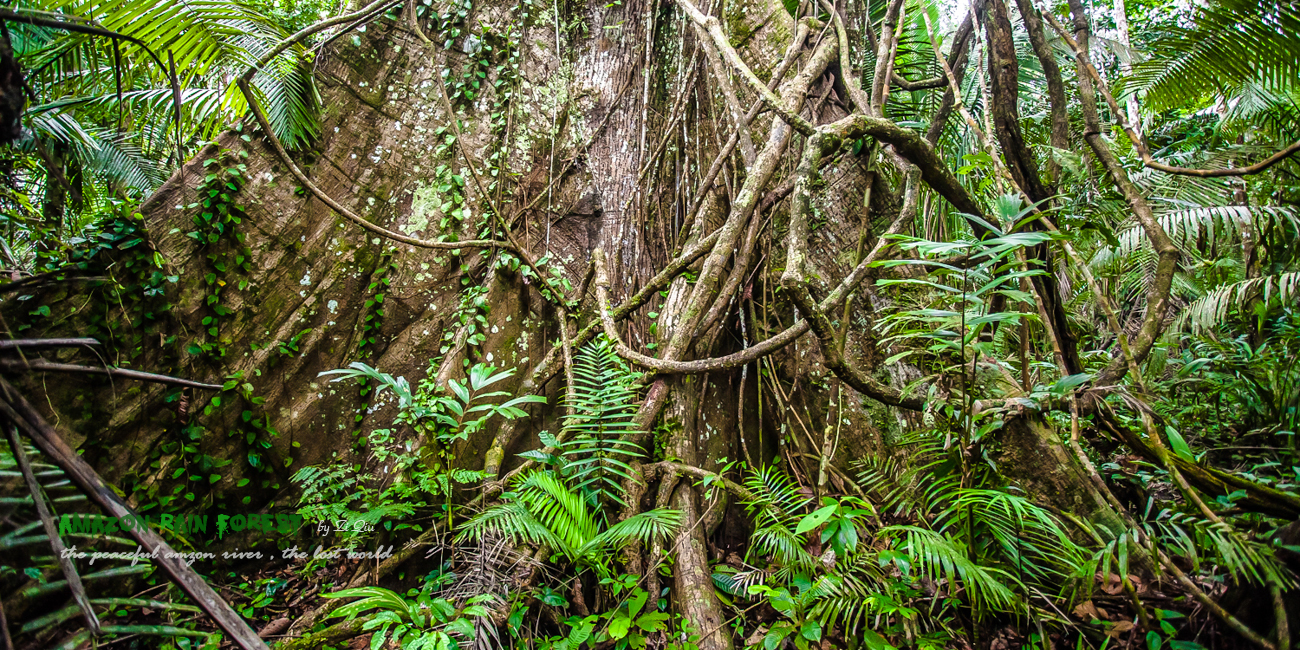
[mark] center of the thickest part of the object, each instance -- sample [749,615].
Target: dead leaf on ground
[1112,585]
[1086,610]
[1119,628]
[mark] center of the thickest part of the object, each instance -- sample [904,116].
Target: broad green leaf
[1179,445]
[619,626]
[817,518]
[811,630]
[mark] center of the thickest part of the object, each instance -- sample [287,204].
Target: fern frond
[920,484]
[596,451]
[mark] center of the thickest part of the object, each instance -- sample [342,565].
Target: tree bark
[1004,78]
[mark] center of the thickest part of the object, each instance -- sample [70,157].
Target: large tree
[826,232]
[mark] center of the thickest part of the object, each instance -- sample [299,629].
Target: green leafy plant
[216,231]
[629,625]
[967,296]
[799,626]
[345,492]
[595,450]
[839,521]
[542,508]
[448,417]
[422,623]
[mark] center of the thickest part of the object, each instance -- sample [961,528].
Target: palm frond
[943,559]
[1227,44]
[121,161]
[561,509]
[848,601]
[1245,559]
[784,545]
[209,40]
[1213,308]
[643,527]
[1030,539]
[1200,229]
[776,493]
[287,92]
[199,33]
[63,127]
[510,520]
[1275,111]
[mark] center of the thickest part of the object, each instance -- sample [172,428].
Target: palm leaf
[1212,309]
[511,520]
[1030,540]
[199,34]
[940,558]
[560,509]
[1228,43]
[1195,229]
[776,493]
[643,527]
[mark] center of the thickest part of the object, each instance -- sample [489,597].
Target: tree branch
[670,365]
[714,30]
[41,365]
[283,155]
[954,66]
[737,490]
[41,278]
[21,413]
[1080,49]
[886,50]
[32,344]
[792,54]
[743,207]
[1158,297]
[793,280]
[912,147]
[1148,544]
[729,94]
[1259,498]
[759,350]
[1056,102]
[858,96]
[332,634]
